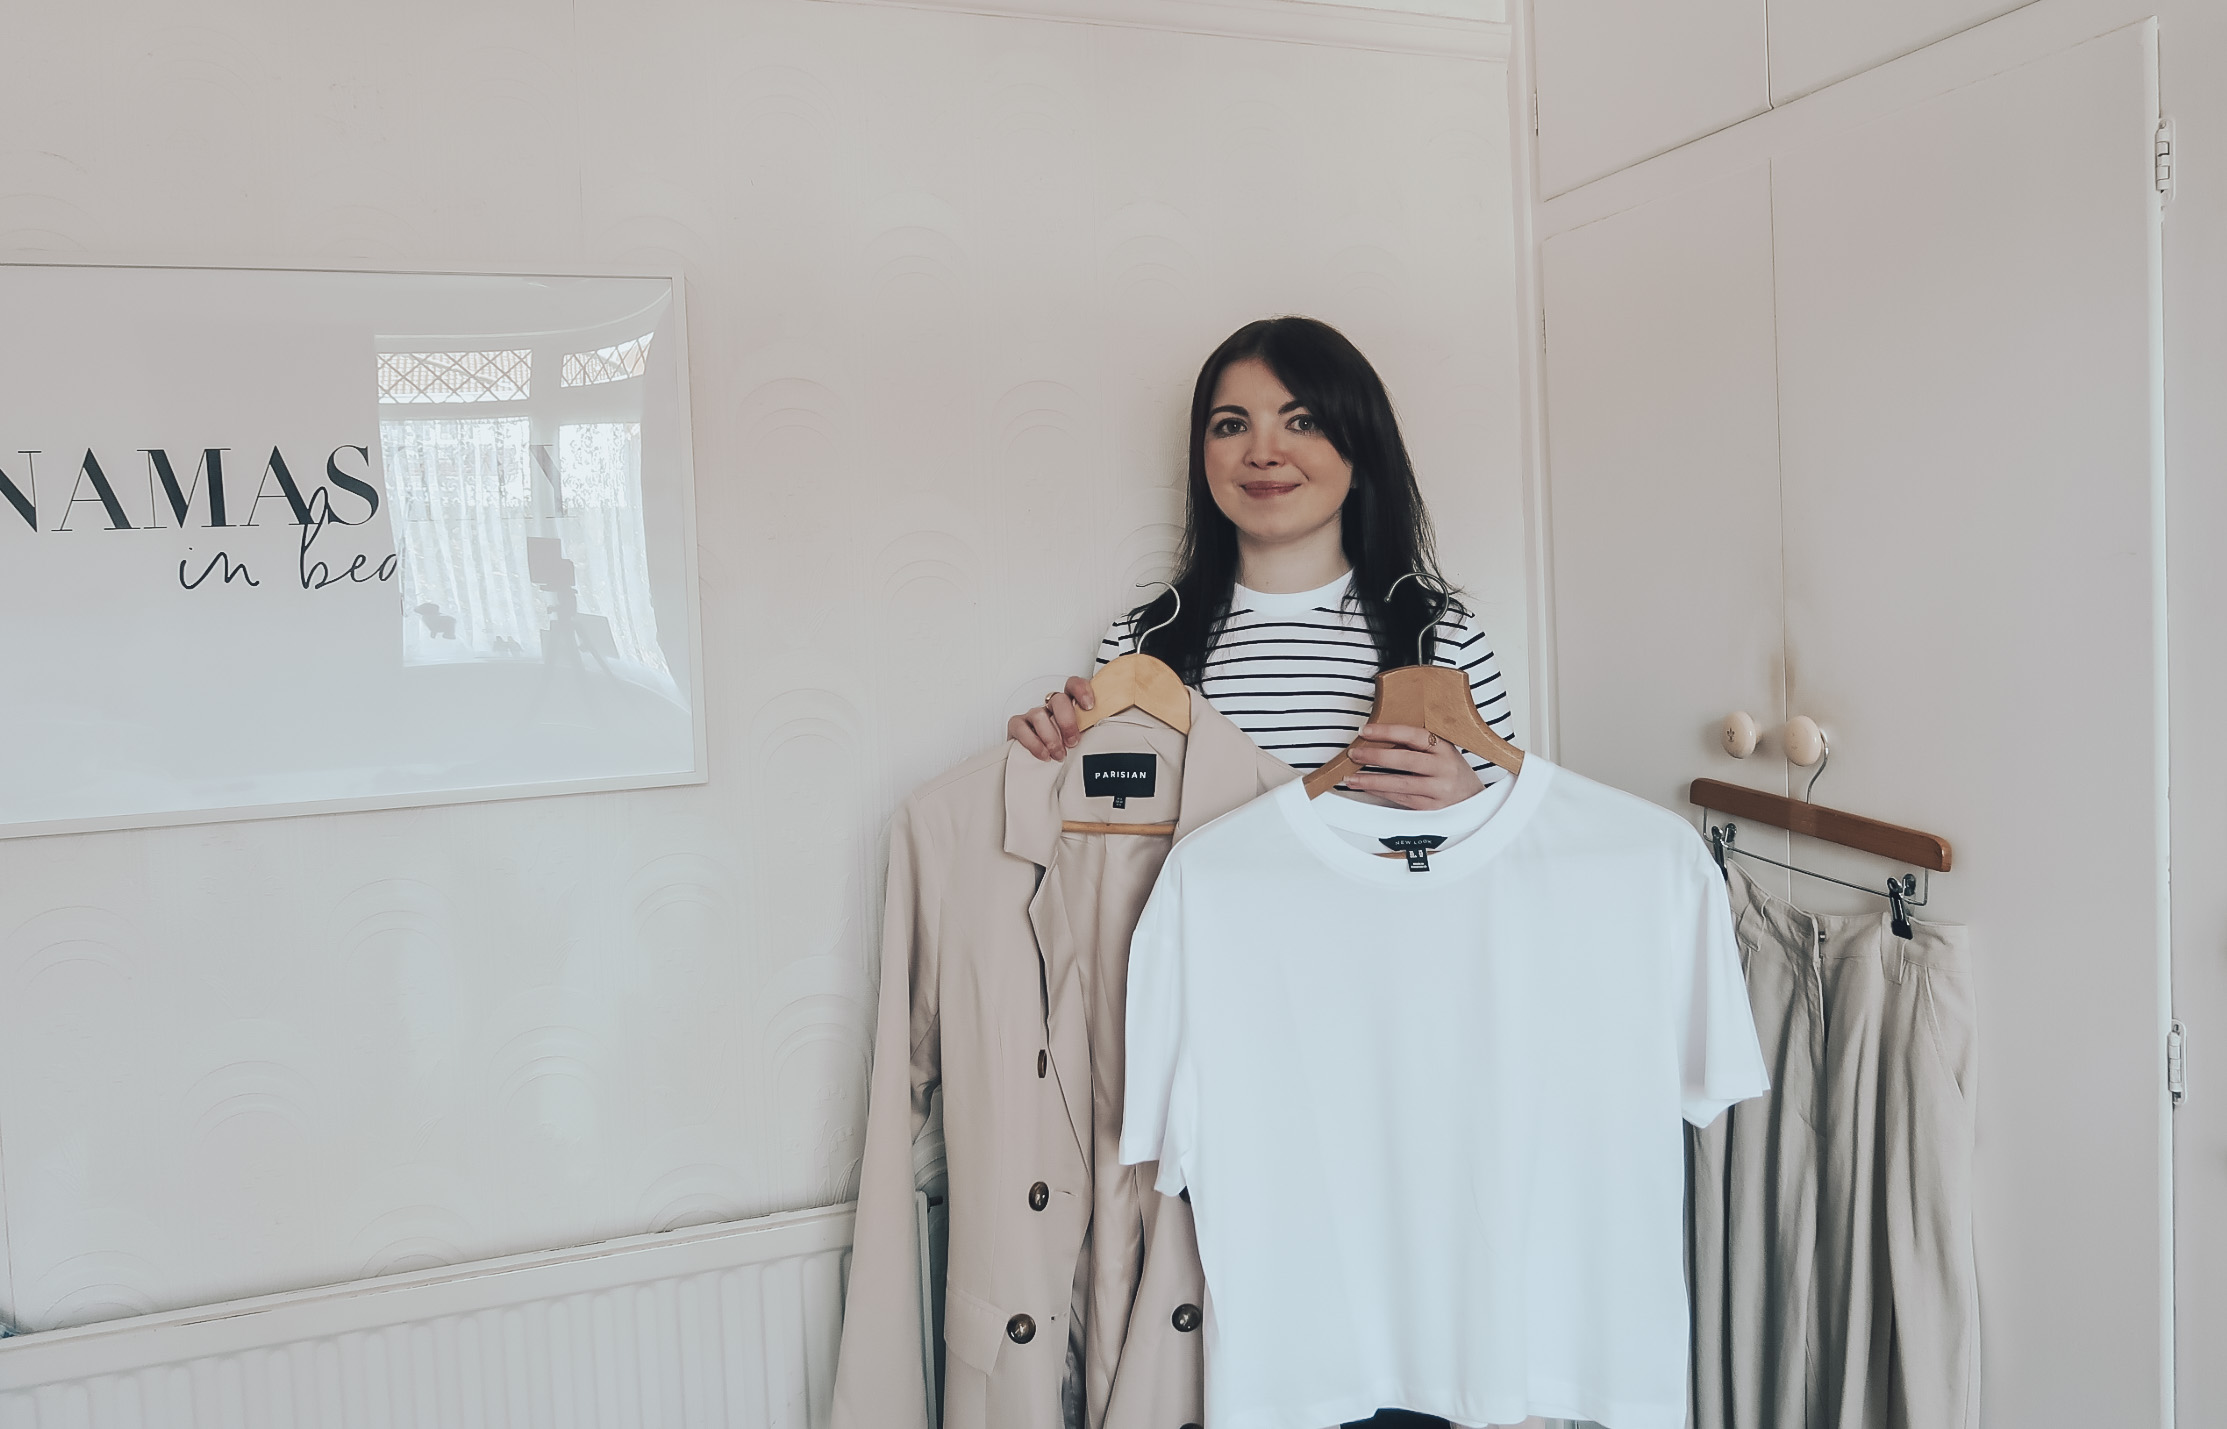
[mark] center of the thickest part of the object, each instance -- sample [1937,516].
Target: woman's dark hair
[1387,533]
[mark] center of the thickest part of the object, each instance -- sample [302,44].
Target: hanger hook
[1823,760]
[1155,630]
[1424,630]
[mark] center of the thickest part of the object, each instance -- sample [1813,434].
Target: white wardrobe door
[1620,80]
[1662,448]
[1814,42]
[1971,472]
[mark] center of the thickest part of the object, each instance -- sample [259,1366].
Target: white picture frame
[530,456]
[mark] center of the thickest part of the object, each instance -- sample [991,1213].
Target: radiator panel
[730,1325]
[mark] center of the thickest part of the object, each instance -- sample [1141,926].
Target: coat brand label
[1417,847]
[1120,776]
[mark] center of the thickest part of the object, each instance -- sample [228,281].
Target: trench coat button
[1039,1196]
[1185,1318]
[1020,1329]
[1043,1061]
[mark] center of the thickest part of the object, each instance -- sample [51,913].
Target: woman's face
[1271,469]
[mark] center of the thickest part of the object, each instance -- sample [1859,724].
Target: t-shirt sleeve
[1116,641]
[1462,645]
[1720,1059]
[1155,1118]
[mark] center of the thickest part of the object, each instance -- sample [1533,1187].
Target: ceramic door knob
[1805,742]
[1740,734]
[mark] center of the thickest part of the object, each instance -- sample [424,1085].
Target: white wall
[1618,81]
[949,279]
[2192,50]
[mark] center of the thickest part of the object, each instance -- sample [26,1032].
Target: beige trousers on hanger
[1829,1228]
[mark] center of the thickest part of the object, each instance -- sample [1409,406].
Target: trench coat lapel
[1222,768]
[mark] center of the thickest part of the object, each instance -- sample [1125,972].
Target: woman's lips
[1268,488]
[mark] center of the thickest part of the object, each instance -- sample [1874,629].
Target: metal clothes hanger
[1901,893]
[1433,697]
[1136,681]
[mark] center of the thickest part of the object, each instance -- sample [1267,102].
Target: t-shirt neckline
[1262,602]
[1307,819]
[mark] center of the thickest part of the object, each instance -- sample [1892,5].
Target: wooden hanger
[1432,697]
[1921,850]
[1928,851]
[1143,682]
[1134,681]
[1138,681]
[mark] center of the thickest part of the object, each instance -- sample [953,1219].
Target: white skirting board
[726,1325]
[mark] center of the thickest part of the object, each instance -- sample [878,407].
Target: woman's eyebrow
[1231,407]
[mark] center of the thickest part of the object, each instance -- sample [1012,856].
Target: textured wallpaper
[949,279]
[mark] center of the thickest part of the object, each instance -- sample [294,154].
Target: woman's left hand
[1433,772]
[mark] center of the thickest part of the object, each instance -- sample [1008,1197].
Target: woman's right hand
[1048,731]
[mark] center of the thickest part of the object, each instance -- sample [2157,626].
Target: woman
[1302,523]
[1302,518]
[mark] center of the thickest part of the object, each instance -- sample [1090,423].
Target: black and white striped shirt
[1297,672]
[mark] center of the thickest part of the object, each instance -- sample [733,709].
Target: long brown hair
[1386,531]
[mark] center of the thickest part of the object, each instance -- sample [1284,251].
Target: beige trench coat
[1004,964]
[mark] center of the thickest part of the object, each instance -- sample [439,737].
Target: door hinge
[1534,113]
[2163,160]
[2176,1071]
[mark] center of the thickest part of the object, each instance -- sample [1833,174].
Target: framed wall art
[285,542]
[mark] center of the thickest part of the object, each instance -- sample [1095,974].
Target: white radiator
[733,1324]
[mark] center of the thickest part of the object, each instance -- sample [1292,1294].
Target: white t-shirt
[1297,672]
[1429,1121]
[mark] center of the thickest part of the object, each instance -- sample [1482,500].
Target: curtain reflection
[599,471]
[466,501]
[463,497]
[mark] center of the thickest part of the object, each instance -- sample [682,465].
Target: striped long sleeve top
[1297,672]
